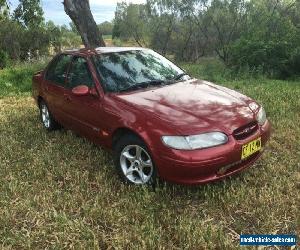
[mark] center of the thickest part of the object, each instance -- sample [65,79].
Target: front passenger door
[85,111]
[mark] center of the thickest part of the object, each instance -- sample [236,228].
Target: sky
[103,10]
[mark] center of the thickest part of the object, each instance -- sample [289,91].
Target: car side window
[56,72]
[80,74]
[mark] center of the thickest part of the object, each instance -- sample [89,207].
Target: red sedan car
[158,120]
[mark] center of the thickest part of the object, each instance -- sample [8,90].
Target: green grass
[107,37]
[16,80]
[60,191]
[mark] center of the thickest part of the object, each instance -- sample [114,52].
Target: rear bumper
[208,165]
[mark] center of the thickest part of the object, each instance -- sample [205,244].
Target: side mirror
[81,90]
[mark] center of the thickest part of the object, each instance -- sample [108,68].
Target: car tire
[133,161]
[47,118]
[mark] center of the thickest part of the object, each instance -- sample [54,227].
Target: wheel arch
[39,100]
[122,131]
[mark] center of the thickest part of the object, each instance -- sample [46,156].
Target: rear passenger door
[55,85]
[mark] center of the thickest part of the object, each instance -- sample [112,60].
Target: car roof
[100,50]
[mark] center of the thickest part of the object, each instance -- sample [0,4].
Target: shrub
[117,42]
[294,63]
[274,58]
[210,69]
[4,59]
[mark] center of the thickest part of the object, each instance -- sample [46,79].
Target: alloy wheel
[136,164]
[45,115]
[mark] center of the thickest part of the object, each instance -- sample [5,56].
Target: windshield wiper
[145,85]
[179,76]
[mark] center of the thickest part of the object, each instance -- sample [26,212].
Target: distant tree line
[259,35]
[106,28]
[254,35]
[24,34]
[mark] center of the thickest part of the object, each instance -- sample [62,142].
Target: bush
[117,42]
[4,59]
[294,63]
[274,58]
[209,69]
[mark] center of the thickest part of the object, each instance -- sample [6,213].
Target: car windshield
[134,69]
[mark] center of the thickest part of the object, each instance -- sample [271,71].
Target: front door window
[80,74]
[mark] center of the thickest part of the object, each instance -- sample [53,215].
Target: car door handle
[67,98]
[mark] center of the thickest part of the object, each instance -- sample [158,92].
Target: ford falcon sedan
[157,120]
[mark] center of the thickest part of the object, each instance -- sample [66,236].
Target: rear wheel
[47,118]
[133,161]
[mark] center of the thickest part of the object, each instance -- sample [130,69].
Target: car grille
[245,131]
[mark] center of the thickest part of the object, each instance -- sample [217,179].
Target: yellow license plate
[250,148]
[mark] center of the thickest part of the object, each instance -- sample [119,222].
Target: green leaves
[258,35]
[270,42]
[29,13]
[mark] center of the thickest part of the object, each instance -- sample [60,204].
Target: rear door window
[56,72]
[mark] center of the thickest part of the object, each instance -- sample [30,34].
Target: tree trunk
[80,13]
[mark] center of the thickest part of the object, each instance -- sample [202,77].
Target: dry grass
[60,191]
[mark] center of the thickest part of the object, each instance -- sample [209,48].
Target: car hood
[193,106]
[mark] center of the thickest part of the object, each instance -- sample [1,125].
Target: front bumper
[211,164]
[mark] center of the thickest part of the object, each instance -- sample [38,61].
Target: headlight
[261,116]
[195,141]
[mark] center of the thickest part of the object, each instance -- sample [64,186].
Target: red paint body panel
[185,108]
[199,104]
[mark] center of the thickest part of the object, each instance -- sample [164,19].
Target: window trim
[101,83]
[67,83]
[66,73]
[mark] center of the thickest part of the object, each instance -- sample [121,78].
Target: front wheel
[133,161]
